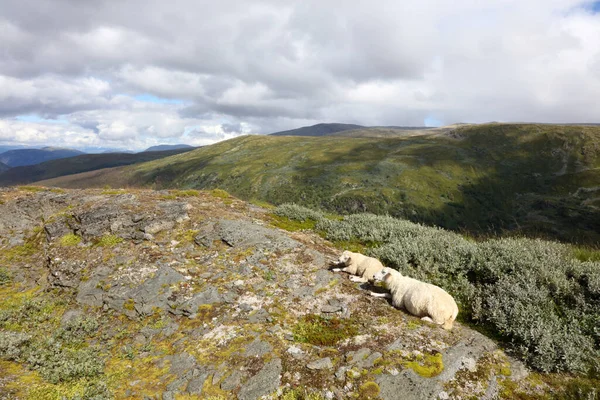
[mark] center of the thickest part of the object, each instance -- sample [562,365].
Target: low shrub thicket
[531,293]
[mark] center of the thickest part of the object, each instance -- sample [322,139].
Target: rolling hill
[163,147]
[23,157]
[3,167]
[486,179]
[74,165]
[318,130]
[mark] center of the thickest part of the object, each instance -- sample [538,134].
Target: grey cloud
[271,65]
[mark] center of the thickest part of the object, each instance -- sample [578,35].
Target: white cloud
[265,65]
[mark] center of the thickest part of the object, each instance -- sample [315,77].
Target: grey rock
[265,382]
[329,309]
[208,296]
[196,383]
[258,348]
[398,344]
[158,226]
[260,316]
[233,381]
[322,363]
[181,363]
[244,234]
[340,374]
[57,229]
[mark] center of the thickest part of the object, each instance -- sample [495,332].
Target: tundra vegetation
[537,296]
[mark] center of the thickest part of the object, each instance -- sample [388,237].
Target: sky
[136,73]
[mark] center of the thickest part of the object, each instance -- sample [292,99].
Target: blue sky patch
[432,122]
[149,98]
[40,120]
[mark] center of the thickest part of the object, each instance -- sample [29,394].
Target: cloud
[137,73]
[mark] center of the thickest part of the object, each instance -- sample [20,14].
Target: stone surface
[322,363]
[266,381]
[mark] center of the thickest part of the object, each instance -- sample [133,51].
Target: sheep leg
[355,278]
[427,319]
[382,295]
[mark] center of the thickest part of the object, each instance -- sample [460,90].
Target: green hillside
[73,165]
[484,179]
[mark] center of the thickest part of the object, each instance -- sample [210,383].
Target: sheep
[421,299]
[358,264]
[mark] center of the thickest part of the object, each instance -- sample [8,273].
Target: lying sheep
[421,299]
[358,264]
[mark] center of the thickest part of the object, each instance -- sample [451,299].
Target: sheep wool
[360,265]
[421,299]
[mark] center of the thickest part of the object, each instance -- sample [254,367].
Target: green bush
[5,276]
[298,213]
[77,329]
[536,295]
[58,364]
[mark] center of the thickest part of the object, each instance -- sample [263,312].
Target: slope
[74,165]
[534,179]
[163,147]
[318,130]
[3,167]
[22,157]
[199,295]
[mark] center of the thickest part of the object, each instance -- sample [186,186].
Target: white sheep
[358,264]
[430,302]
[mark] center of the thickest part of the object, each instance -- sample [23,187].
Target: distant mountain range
[23,157]
[335,129]
[3,167]
[81,163]
[484,179]
[163,147]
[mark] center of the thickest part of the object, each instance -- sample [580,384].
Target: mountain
[318,130]
[164,147]
[486,179]
[77,164]
[22,157]
[141,294]
[3,167]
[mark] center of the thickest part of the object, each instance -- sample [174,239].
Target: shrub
[77,329]
[12,343]
[5,276]
[537,296]
[298,213]
[58,364]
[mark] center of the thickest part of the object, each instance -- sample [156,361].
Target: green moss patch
[317,330]
[70,240]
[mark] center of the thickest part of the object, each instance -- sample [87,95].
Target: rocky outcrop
[199,295]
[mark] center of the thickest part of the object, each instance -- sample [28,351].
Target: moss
[70,240]
[369,390]
[21,252]
[317,330]
[109,241]
[262,204]
[428,365]
[298,394]
[129,305]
